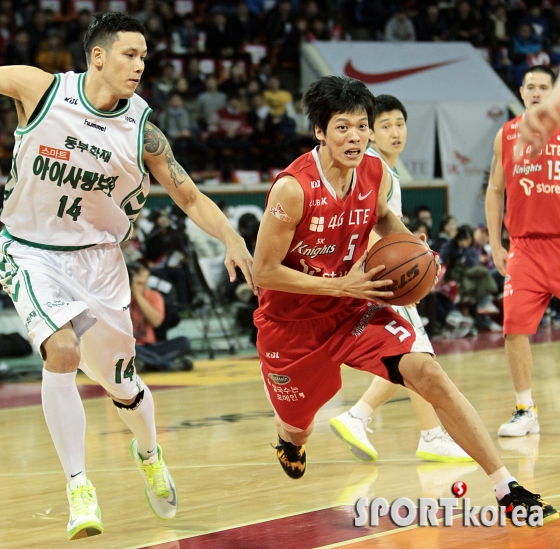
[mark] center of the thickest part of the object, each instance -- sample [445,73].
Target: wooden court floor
[215,426]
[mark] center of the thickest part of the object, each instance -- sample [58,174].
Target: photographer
[147,310]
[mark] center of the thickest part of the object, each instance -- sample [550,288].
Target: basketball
[409,263]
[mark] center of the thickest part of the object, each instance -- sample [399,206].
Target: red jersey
[331,236]
[532,187]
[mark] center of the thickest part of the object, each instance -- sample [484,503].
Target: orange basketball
[409,263]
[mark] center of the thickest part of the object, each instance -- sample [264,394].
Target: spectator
[524,43]
[264,71]
[147,310]
[278,24]
[318,30]
[476,285]
[276,98]
[220,41]
[229,129]
[244,24]
[183,88]
[423,213]
[539,23]
[157,44]
[53,55]
[399,28]
[465,25]
[236,81]
[432,25]
[446,231]
[78,26]
[38,29]
[304,138]
[19,51]
[208,102]
[365,18]
[183,134]
[195,77]
[163,86]
[76,49]
[185,39]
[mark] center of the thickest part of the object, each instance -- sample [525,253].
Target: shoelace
[82,497]
[290,451]
[155,473]
[365,420]
[524,497]
[518,414]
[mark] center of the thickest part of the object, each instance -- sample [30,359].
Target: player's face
[536,88]
[124,63]
[389,133]
[346,138]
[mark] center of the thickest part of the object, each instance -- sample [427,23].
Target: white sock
[430,434]
[361,410]
[142,423]
[501,479]
[66,421]
[525,398]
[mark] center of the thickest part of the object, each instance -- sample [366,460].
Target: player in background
[388,141]
[530,269]
[79,179]
[320,309]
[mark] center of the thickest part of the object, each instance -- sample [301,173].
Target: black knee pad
[392,365]
[138,400]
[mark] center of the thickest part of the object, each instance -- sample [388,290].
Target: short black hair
[539,68]
[464,232]
[331,95]
[388,103]
[104,28]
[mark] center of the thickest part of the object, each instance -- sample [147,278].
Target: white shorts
[88,288]
[411,314]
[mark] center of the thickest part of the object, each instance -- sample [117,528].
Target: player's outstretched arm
[159,159]
[540,122]
[24,84]
[282,215]
[494,206]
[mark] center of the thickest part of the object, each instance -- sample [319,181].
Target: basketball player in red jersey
[532,210]
[319,309]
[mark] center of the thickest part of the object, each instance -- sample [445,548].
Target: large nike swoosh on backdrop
[380,77]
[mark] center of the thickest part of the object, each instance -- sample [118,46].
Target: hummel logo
[363,197]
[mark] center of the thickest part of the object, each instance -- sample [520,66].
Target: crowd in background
[222,77]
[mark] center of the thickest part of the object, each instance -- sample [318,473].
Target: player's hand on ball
[358,284]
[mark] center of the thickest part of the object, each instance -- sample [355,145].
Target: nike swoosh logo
[72,476]
[380,77]
[360,197]
[174,500]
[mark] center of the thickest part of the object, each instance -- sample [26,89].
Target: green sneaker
[160,487]
[85,515]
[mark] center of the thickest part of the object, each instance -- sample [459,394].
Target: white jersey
[394,198]
[78,177]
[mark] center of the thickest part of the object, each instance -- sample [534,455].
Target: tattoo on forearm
[156,144]
[493,166]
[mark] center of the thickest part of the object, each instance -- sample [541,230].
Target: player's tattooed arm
[157,145]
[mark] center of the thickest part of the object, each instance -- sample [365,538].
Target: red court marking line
[304,531]
[13,395]
[463,537]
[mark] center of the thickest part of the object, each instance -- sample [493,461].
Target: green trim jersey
[394,199]
[78,177]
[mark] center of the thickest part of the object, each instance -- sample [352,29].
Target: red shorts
[300,360]
[532,277]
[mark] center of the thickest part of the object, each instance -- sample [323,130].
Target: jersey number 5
[392,328]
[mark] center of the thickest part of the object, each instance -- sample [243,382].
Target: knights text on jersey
[331,236]
[78,177]
[532,187]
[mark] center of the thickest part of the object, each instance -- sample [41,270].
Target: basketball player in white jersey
[388,141]
[79,178]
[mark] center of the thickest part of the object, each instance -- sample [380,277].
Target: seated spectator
[220,41]
[318,30]
[524,43]
[304,138]
[278,23]
[182,87]
[475,283]
[432,25]
[539,23]
[244,23]
[195,77]
[447,230]
[276,98]
[163,86]
[147,310]
[76,49]
[399,28]
[229,129]
[183,132]
[19,51]
[185,39]
[423,213]
[236,80]
[208,102]
[466,26]
[53,55]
